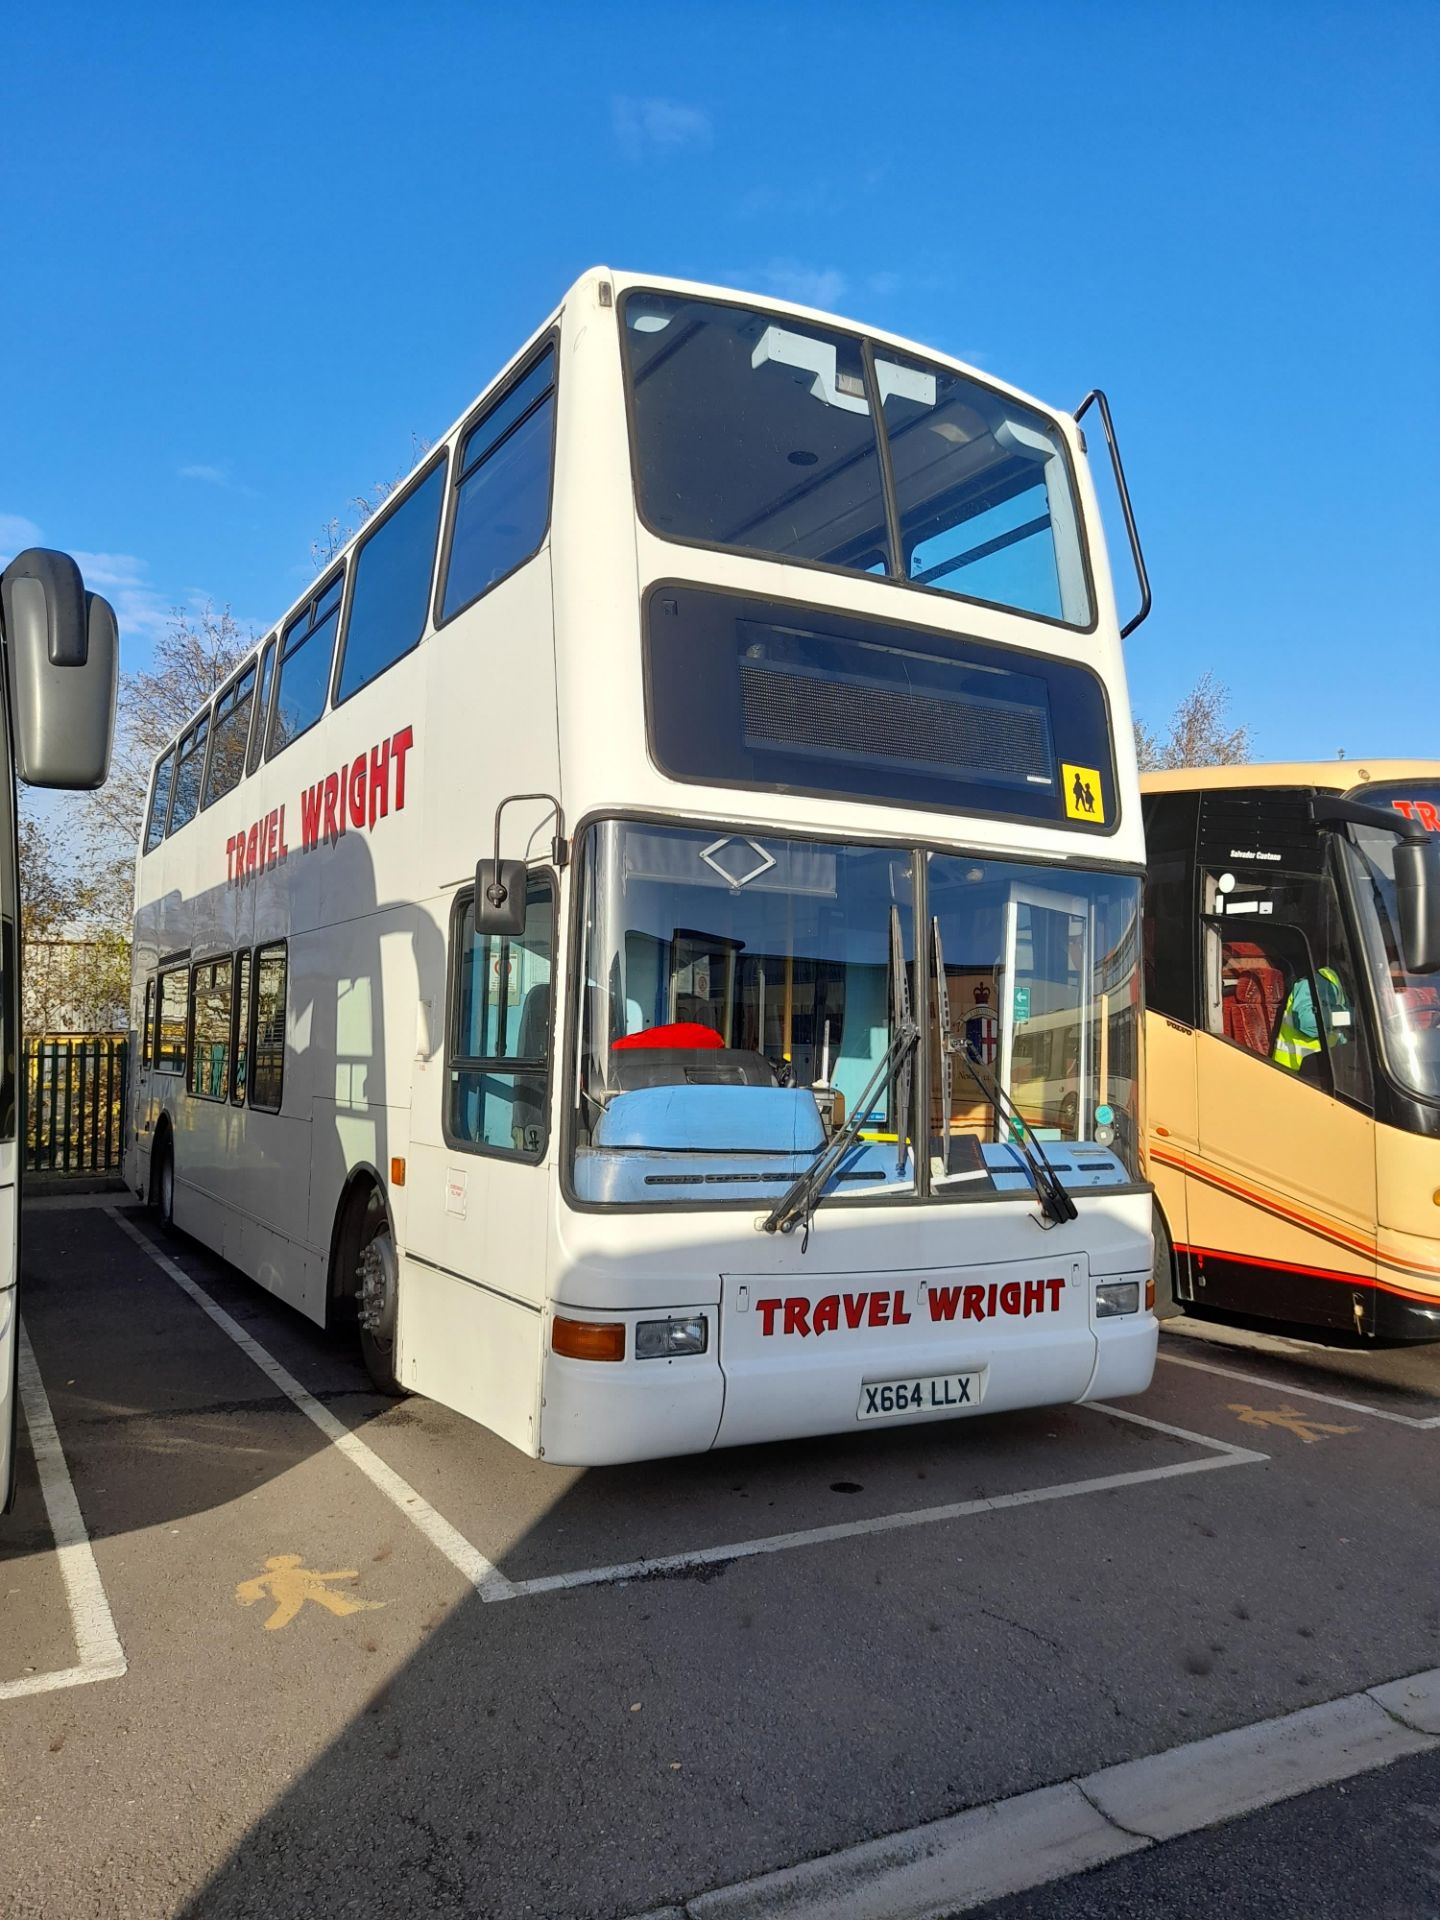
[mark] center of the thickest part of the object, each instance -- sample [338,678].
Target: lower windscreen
[745,692]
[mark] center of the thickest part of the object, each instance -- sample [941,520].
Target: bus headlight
[662,1339]
[1116,1296]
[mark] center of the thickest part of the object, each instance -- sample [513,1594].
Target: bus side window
[231,732]
[302,678]
[502,488]
[170,1024]
[266,1065]
[147,1030]
[498,1050]
[211,985]
[240,1029]
[188,770]
[159,800]
[262,706]
[393,568]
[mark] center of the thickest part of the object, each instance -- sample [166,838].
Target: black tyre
[1167,1307]
[162,1185]
[375,1288]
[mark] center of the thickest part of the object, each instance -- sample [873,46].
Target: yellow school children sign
[1084,796]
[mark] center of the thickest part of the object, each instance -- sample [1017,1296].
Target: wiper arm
[1055,1201]
[796,1206]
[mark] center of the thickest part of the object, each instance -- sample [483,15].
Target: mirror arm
[497,893]
[1331,811]
[1096,397]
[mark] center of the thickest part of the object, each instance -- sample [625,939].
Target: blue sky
[252,250]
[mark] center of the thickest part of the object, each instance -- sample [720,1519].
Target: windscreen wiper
[1055,1201]
[796,1206]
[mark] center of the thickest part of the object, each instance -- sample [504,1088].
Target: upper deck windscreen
[760,433]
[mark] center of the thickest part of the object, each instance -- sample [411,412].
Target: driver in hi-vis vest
[1298,1035]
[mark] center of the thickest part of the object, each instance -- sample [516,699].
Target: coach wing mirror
[64,657]
[1417,902]
[1417,875]
[500,884]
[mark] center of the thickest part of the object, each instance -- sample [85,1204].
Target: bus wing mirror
[64,660]
[500,897]
[1417,904]
[1417,874]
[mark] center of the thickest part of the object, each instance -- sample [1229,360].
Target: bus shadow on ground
[603,1750]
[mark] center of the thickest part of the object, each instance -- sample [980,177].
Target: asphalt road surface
[315,1652]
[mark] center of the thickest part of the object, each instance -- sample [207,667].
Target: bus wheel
[1167,1307]
[163,1184]
[377,1294]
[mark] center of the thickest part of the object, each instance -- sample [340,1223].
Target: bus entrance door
[1282,1198]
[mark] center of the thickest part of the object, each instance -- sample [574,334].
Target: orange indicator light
[588,1339]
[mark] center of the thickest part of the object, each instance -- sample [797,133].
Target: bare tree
[336,534]
[192,659]
[75,975]
[1198,736]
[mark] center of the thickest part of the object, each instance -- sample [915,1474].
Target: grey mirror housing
[64,658]
[1417,903]
[500,897]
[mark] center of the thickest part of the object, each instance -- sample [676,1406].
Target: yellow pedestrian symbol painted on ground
[1300,1424]
[290,1585]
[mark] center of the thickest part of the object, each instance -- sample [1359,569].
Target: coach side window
[304,670]
[170,1034]
[159,801]
[240,1042]
[502,488]
[189,765]
[391,597]
[211,994]
[267,1029]
[232,731]
[500,1027]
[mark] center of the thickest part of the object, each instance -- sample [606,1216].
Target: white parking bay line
[1421,1424]
[491,1584]
[1219,1453]
[99,1654]
[1050,1833]
[468,1560]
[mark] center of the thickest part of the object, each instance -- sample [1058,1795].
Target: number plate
[930,1393]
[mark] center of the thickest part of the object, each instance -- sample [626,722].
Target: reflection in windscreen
[1408,1004]
[737,1002]
[759,434]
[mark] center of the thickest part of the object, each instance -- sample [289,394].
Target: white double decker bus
[652,936]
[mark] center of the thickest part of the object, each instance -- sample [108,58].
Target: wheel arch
[162,1141]
[363,1180]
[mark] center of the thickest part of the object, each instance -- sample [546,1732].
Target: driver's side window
[1279,981]
[500,1029]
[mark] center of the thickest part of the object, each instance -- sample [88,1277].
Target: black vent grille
[956,734]
[1264,827]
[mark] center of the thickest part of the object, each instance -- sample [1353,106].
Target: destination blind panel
[759,694]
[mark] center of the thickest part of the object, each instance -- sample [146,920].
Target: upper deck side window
[501,508]
[262,705]
[159,799]
[393,568]
[231,732]
[189,765]
[760,433]
[303,672]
